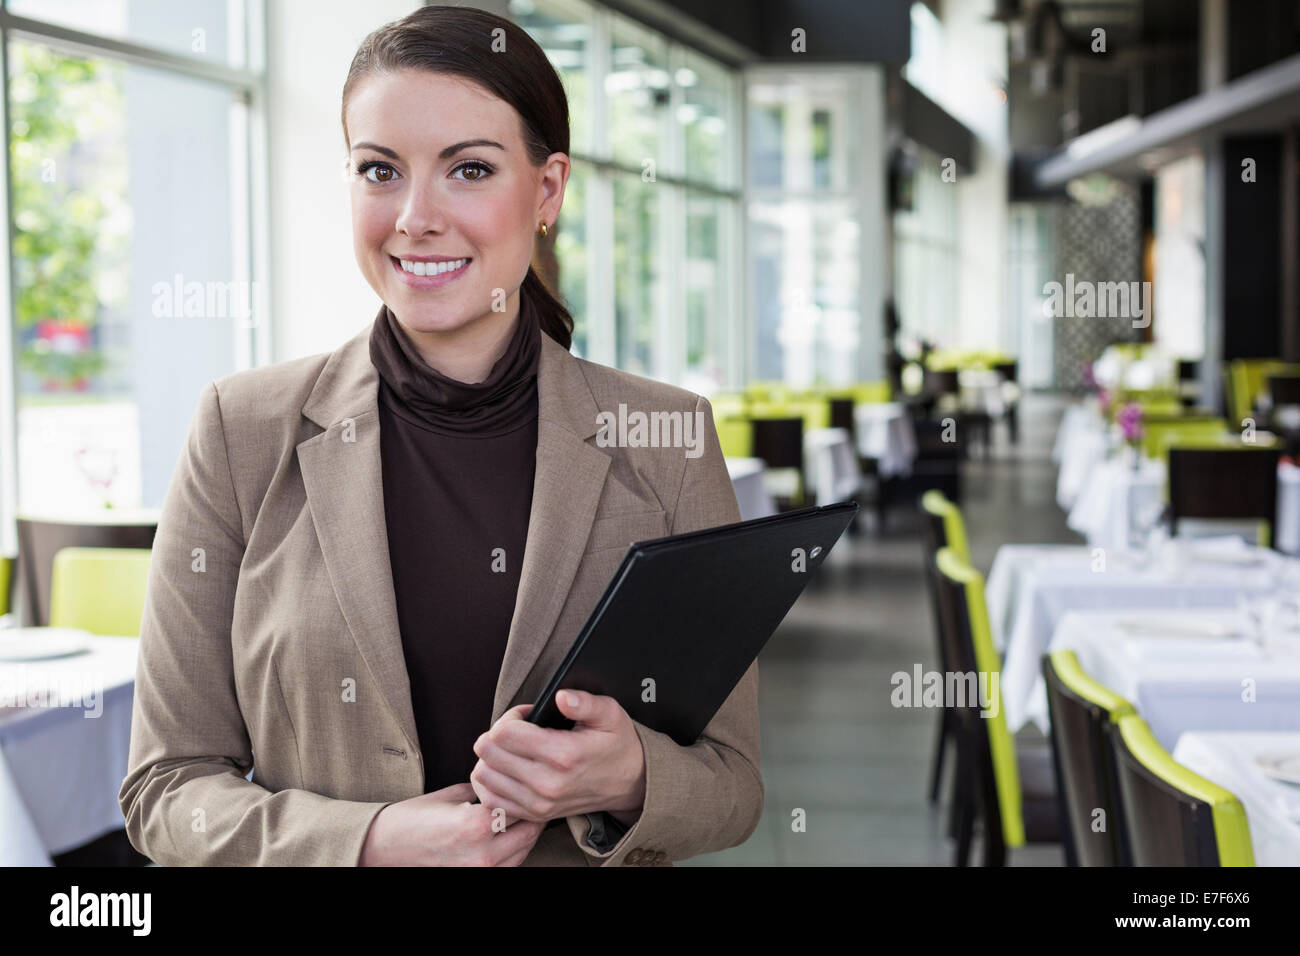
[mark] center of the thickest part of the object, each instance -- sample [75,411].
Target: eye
[483,170]
[384,172]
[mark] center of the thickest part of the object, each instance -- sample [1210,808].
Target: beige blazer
[270,638]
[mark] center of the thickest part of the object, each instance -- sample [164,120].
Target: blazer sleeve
[185,797]
[708,796]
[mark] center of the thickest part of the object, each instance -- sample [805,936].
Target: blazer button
[633,857]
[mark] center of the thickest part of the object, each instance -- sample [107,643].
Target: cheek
[371,223]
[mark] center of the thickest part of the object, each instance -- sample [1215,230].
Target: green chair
[1080,709]
[944,528]
[6,582]
[1011,790]
[1172,816]
[935,504]
[101,590]
[736,436]
[1159,433]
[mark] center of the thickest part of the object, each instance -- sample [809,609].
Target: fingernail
[570,700]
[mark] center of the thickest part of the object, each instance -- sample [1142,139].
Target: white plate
[1284,765]
[42,643]
[1178,626]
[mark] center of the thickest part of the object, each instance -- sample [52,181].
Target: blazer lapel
[341,472]
[566,489]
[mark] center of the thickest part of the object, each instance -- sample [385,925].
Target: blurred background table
[65,766]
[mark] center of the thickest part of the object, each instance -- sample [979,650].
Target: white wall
[319,298]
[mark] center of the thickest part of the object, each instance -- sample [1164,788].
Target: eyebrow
[445,154]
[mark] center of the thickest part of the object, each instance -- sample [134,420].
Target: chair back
[1227,483]
[101,590]
[6,582]
[40,539]
[974,665]
[1172,816]
[1284,390]
[1160,432]
[1079,709]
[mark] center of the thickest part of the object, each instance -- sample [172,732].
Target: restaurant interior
[1019,277]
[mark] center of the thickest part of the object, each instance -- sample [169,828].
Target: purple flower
[1089,378]
[1130,421]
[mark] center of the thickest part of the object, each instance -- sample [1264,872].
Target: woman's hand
[539,774]
[443,828]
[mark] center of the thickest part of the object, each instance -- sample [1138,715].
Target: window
[133,280]
[804,230]
[647,243]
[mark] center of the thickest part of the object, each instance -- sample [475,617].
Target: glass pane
[707,348]
[204,29]
[571,254]
[564,32]
[125,302]
[636,239]
[800,133]
[639,90]
[705,117]
[806,291]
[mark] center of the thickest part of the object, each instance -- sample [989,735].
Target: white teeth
[430,268]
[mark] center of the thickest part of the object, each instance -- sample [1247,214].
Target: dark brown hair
[458,41]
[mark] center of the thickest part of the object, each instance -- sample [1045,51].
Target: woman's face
[439,174]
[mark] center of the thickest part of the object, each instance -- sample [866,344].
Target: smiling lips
[426,274]
[420,268]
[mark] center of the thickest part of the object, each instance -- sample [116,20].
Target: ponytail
[552,316]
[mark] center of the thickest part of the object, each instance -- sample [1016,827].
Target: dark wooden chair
[1172,816]
[1223,483]
[779,442]
[938,515]
[1007,372]
[1080,710]
[1006,785]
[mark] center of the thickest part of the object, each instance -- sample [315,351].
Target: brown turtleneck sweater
[458,465]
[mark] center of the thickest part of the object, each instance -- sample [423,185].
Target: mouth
[430,275]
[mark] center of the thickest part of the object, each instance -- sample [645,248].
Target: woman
[370,561]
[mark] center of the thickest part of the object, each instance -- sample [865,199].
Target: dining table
[1182,670]
[65,735]
[1031,587]
[1117,500]
[1262,769]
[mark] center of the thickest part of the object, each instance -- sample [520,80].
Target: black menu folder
[683,617]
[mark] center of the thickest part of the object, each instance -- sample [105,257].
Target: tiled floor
[833,744]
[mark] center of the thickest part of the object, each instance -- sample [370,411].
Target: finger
[592,710]
[499,758]
[528,740]
[494,799]
[514,796]
[516,843]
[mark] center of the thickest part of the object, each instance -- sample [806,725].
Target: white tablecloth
[884,432]
[1082,446]
[1112,489]
[65,765]
[1032,586]
[1272,807]
[1180,683]
[751,494]
[830,465]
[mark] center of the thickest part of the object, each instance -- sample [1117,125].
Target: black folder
[683,617]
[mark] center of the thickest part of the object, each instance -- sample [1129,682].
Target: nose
[421,213]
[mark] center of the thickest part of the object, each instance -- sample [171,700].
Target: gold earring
[541,228]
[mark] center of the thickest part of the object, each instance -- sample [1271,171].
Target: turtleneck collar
[413,389]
